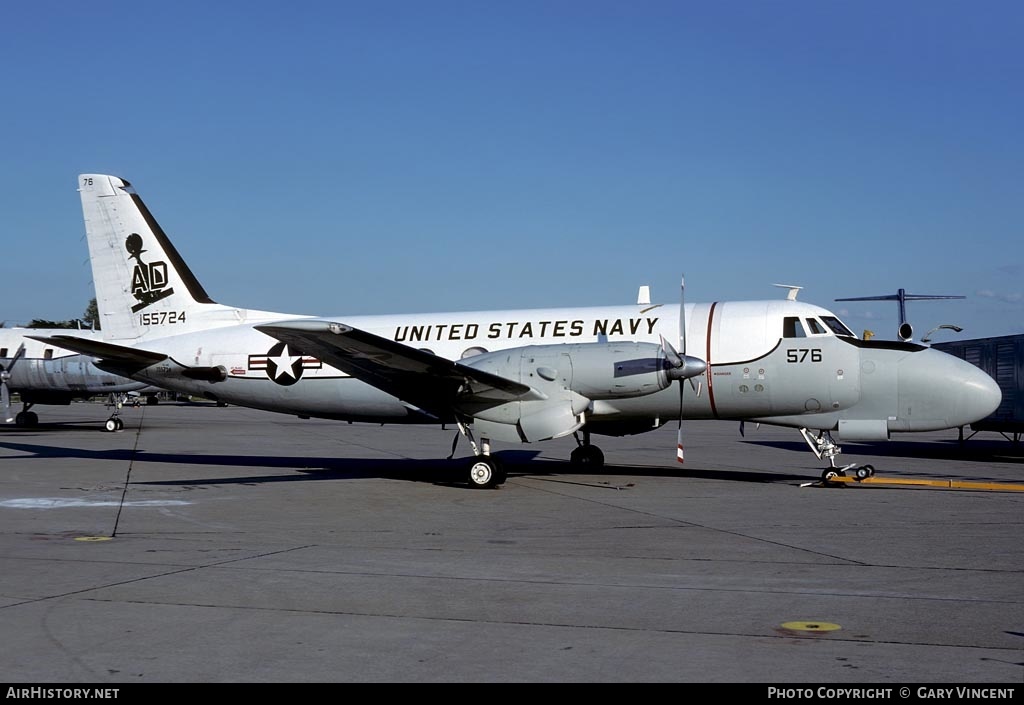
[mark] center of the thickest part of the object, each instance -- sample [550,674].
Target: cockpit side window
[792,328]
[816,328]
[837,326]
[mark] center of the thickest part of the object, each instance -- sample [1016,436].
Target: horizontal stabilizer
[417,377]
[119,355]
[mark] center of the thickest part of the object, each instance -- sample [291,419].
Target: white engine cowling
[571,376]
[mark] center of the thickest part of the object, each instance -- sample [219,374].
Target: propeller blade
[670,353]
[5,375]
[679,433]
[5,396]
[682,315]
[683,366]
[17,354]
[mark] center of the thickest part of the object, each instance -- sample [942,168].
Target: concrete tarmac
[207,544]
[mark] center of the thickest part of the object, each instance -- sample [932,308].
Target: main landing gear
[586,455]
[823,446]
[26,418]
[114,423]
[486,471]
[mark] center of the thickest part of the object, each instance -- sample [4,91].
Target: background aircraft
[41,373]
[905,331]
[515,376]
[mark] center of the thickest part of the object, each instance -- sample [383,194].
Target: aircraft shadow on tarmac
[519,463]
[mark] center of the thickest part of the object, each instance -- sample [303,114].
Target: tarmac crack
[682,522]
[831,636]
[143,578]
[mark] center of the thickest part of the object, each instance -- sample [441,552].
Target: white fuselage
[753,372]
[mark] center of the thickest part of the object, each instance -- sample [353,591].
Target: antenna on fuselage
[791,294]
[905,330]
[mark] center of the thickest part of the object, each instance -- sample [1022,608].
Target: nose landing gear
[823,446]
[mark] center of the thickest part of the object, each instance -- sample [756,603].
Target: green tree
[44,323]
[91,317]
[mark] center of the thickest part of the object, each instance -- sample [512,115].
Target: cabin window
[3,352]
[48,354]
[837,326]
[792,328]
[816,328]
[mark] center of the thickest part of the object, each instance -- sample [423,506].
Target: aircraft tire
[110,425]
[828,476]
[485,473]
[588,456]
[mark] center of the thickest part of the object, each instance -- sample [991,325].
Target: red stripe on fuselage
[707,359]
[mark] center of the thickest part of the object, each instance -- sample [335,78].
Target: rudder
[143,286]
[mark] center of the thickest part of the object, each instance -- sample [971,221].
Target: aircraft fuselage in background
[43,373]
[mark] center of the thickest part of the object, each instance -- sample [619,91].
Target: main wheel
[587,456]
[120,424]
[110,425]
[19,419]
[485,472]
[31,418]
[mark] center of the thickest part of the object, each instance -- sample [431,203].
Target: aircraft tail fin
[144,289]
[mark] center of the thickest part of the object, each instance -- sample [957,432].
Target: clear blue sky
[347,158]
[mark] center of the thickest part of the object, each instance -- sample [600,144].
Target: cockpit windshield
[837,326]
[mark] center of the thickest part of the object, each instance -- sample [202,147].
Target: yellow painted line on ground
[811,626]
[93,538]
[946,484]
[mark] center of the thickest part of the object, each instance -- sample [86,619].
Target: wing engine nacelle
[593,370]
[570,376]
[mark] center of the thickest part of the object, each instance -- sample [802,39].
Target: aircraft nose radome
[938,390]
[980,395]
[972,393]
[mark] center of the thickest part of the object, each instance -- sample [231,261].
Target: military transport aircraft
[42,373]
[515,376]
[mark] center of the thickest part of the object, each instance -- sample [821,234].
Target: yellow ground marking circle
[93,538]
[811,626]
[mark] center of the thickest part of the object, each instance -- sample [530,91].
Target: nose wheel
[830,476]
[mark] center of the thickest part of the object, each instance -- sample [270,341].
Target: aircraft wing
[429,382]
[118,356]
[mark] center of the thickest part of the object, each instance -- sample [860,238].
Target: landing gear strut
[823,446]
[586,455]
[485,471]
